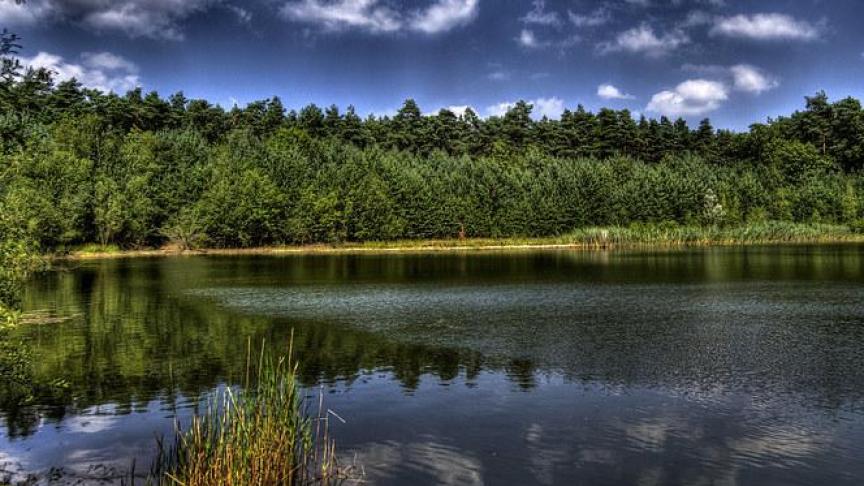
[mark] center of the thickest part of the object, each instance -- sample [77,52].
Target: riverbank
[642,236]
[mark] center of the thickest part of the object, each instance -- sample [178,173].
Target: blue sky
[736,62]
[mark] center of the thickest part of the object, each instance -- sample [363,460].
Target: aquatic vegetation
[671,234]
[261,434]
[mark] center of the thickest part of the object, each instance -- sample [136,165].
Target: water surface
[709,366]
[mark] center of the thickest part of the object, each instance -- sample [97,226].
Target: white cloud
[751,79]
[445,15]
[103,71]
[377,17]
[548,107]
[765,26]
[459,110]
[596,18]
[697,18]
[610,92]
[528,39]
[500,109]
[342,14]
[540,16]
[643,40]
[107,61]
[157,19]
[742,77]
[690,98]
[12,13]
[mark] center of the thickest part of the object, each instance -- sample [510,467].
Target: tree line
[80,166]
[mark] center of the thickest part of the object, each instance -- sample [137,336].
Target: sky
[737,62]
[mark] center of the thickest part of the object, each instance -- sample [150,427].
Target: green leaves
[242,209]
[797,161]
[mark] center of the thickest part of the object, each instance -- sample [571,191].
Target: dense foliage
[138,170]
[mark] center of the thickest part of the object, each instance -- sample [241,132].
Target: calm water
[719,366]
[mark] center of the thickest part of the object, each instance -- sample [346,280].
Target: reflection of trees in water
[135,342]
[139,338]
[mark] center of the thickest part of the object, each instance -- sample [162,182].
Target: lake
[704,366]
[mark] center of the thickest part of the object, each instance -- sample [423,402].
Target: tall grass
[678,235]
[261,435]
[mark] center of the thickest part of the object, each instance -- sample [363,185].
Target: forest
[138,170]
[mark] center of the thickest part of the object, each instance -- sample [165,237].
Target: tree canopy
[137,169]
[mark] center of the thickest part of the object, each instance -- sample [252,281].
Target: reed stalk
[262,434]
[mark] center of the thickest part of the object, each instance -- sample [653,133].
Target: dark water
[719,366]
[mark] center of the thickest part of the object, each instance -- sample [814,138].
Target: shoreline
[445,246]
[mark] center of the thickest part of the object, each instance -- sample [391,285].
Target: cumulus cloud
[610,92]
[752,79]
[539,15]
[548,107]
[643,40]
[376,17]
[690,98]
[742,77]
[156,19]
[100,70]
[765,27]
[500,109]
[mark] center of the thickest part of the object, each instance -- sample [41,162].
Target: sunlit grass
[93,248]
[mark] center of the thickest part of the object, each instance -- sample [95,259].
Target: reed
[260,435]
[770,232]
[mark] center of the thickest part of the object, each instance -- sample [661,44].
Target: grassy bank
[614,237]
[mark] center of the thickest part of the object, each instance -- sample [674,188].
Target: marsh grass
[771,232]
[264,434]
[652,234]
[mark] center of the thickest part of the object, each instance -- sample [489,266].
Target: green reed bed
[261,435]
[682,235]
